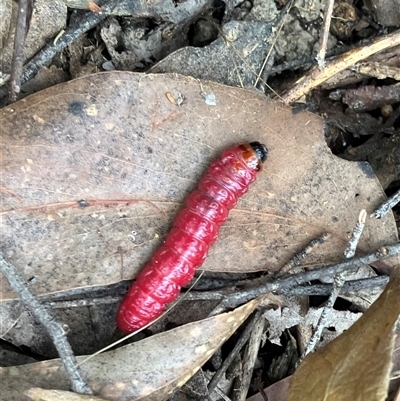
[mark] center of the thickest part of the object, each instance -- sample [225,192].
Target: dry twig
[238,346]
[314,289]
[238,298]
[386,206]
[281,21]
[317,76]
[53,327]
[88,21]
[351,286]
[242,382]
[323,42]
[337,285]
[18,52]
[299,257]
[355,235]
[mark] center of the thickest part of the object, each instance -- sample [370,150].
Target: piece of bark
[357,123]
[371,97]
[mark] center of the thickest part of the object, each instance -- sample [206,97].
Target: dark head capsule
[260,149]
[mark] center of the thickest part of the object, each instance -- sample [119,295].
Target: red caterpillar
[194,230]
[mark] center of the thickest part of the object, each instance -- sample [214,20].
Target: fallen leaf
[229,49]
[41,394]
[94,170]
[395,374]
[356,365]
[151,369]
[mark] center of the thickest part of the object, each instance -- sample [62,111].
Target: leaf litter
[41,394]
[363,69]
[150,369]
[60,197]
[357,364]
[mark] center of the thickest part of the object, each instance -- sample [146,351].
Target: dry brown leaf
[150,369]
[94,170]
[395,374]
[356,365]
[41,394]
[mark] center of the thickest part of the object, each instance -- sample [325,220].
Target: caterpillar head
[260,149]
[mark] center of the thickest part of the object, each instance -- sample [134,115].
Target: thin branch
[316,76]
[325,314]
[355,235]
[326,24]
[234,300]
[53,327]
[242,382]
[238,346]
[307,61]
[2,335]
[352,286]
[79,303]
[386,206]
[222,395]
[281,21]
[18,51]
[218,295]
[299,257]
[337,285]
[88,21]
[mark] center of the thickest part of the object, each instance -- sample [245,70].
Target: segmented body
[194,230]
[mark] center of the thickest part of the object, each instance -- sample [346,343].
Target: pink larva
[194,230]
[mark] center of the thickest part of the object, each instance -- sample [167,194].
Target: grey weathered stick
[387,206]
[315,289]
[80,303]
[299,257]
[280,21]
[222,395]
[87,22]
[355,235]
[238,298]
[323,319]
[326,289]
[239,345]
[323,42]
[338,282]
[18,52]
[242,382]
[53,327]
